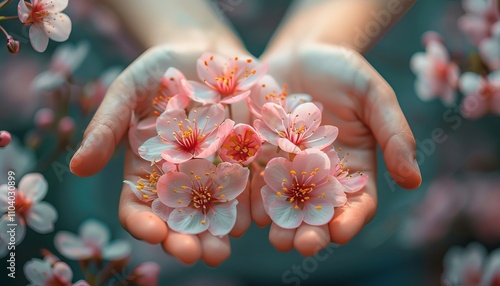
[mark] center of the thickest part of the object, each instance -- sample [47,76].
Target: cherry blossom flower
[94,91]
[489,48]
[146,187]
[243,145]
[145,274]
[436,75]
[225,80]
[351,182]
[268,90]
[295,131]
[464,266]
[171,93]
[46,21]
[66,59]
[203,196]
[5,138]
[482,94]
[49,271]
[15,157]
[182,137]
[480,16]
[92,243]
[301,190]
[29,209]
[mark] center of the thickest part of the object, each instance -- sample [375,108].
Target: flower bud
[66,126]
[13,45]
[5,138]
[44,118]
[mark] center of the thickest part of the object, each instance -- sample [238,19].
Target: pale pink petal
[253,78]
[312,160]
[198,168]
[57,26]
[476,28]
[233,179]
[209,66]
[71,246]
[138,193]
[94,232]
[277,170]
[354,183]
[160,209]
[39,40]
[178,101]
[140,131]
[419,63]
[47,81]
[285,215]
[309,115]
[489,50]
[41,217]
[176,156]
[477,7]
[318,211]
[116,250]
[173,78]
[151,149]
[265,132]
[287,146]
[273,115]
[423,89]
[54,6]
[173,190]
[34,186]
[63,272]
[208,117]
[469,82]
[322,137]
[296,99]
[146,274]
[222,218]
[437,51]
[188,220]
[453,74]
[22,11]
[167,122]
[200,92]
[266,86]
[269,196]
[37,271]
[235,97]
[214,142]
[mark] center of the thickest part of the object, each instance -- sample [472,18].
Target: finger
[310,239]
[214,249]
[243,219]
[280,238]
[259,214]
[349,219]
[185,247]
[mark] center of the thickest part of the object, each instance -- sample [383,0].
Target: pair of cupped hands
[354,96]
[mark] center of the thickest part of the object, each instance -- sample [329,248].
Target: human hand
[133,91]
[363,106]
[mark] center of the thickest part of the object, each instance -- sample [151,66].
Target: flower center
[241,147]
[295,132]
[148,183]
[298,190]
[442,71]
[160,102]
[38,12]
[190,136]
[487,90]
[22,204]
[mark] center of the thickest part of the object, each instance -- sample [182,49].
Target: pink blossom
[267,90]
[94,91]
[29,209]
[243,145]
[482,94]
[171,93]
[140,130]
[145,274]
[146,187]
[92,243]
[66,59]
[66,126]
[350,182]
[225,80]
[464,266]
[5,138]
[203,196]
[301,190]
[46,21]
[44,118]
[480,16]
[489,48]
[297,130]
[436,75]
[182,137]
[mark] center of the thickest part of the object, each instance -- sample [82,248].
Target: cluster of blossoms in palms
[201,159]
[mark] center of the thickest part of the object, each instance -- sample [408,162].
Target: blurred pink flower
[17,158]
[479,17]
[489,48]
[436,75]
[171,94]
[482,94]
[464,266]
[145,274]
[203,196]
[94,91]
[92,243]
[5,138]
[29,209]
[46,21]
[267,90]
[301,190]
[297,130]
[226,80]
[44,118]
[146,188]
[350,182]
[243,145]
[182,137]
[65,60]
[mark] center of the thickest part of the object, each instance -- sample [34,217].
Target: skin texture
[364,108]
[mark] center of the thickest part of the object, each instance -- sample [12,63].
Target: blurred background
[457,203]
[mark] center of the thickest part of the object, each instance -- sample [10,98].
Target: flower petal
[57,26]
[235,97]
[318,211]
[5,228]
[174,190]
[33,186]
[312,160]
[63,272]
[222,218]
[230,180]
[209,66]
[54,6]
[287,146]
[322,137]
[39,40]
[152,149]
[188,220]
[176,156]
[253,77]
[354,183]
[41,217]
[23,12]
[116,250]
[160,209]
[37,271]
[273,115]
[277,170]
[285,215]
[200,92]
[469,82]
[71,246]
[94,232]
